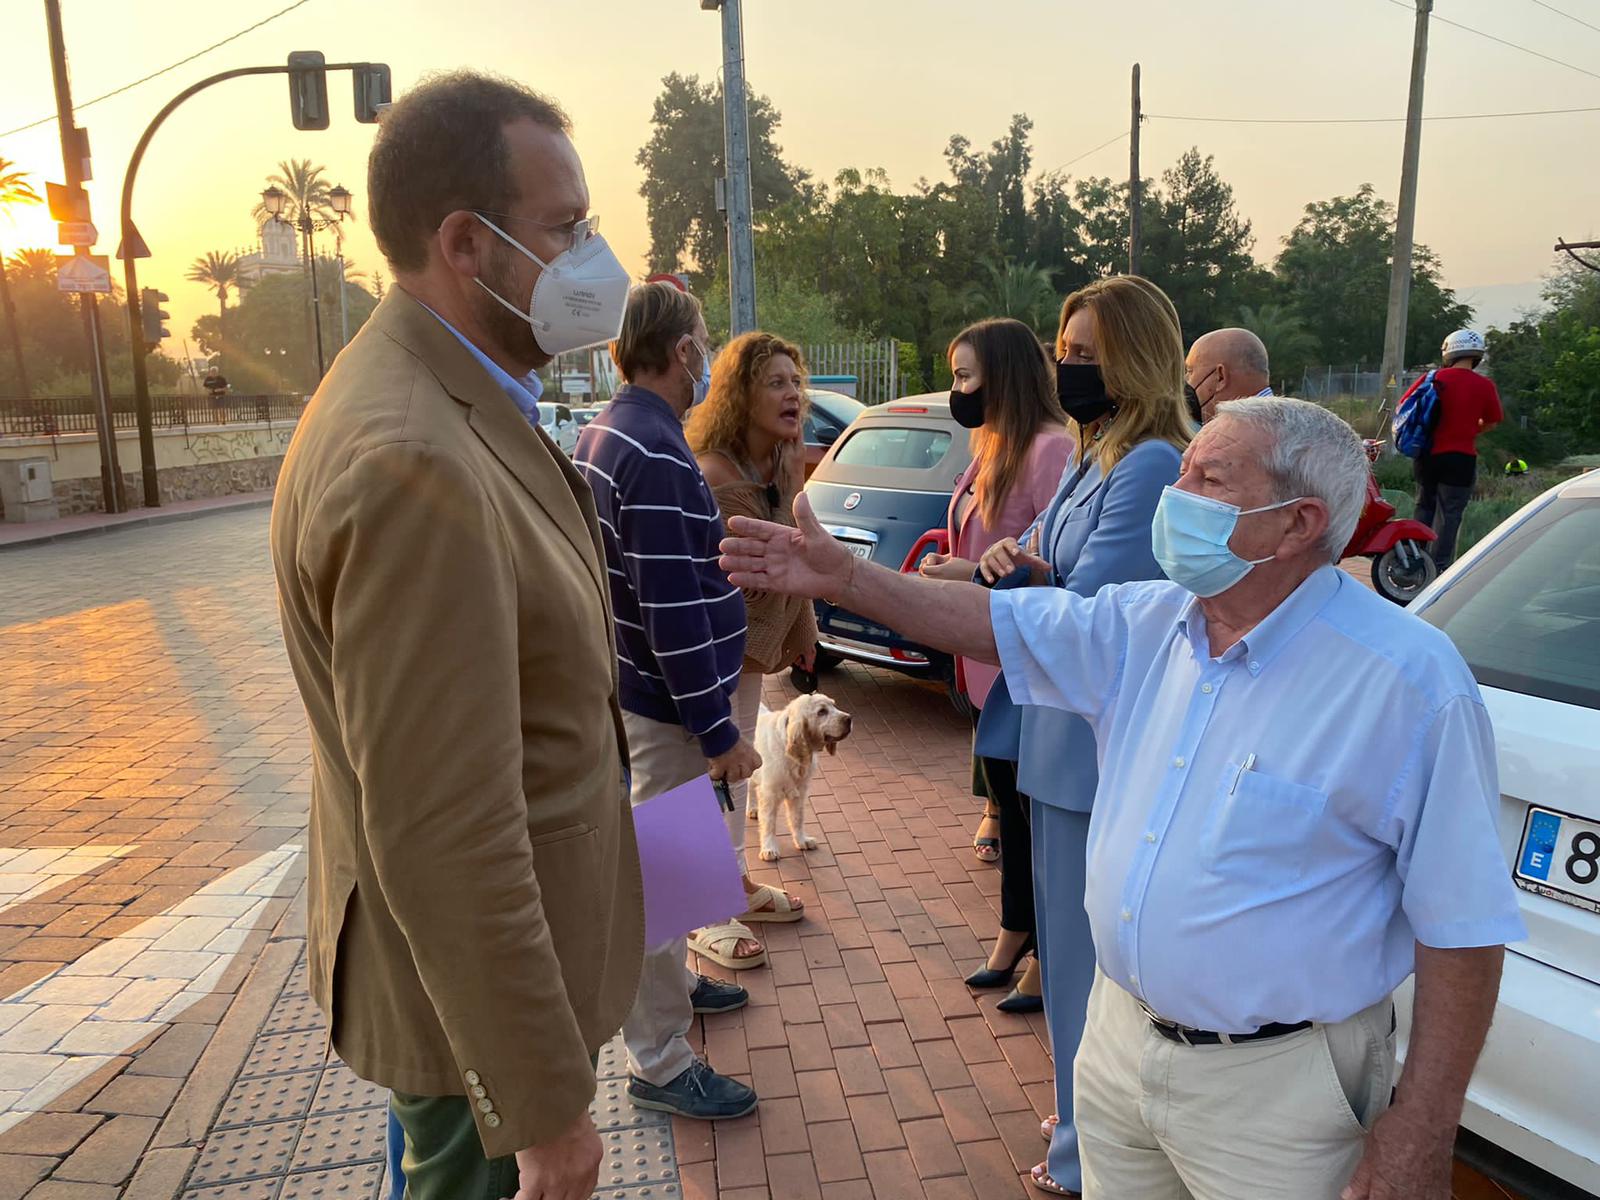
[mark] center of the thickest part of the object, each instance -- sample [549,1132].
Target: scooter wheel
[1402,571]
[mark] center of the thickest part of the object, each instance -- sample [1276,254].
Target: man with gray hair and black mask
[1256,889]
[1224,365]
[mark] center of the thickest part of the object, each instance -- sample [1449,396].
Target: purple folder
[691,877]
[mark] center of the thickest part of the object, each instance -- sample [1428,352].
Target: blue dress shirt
[524,392]
[1096,531]
[1274,827]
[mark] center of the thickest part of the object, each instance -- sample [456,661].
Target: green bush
[1394,473]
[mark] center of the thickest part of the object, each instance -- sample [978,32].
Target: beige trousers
[1280,1119]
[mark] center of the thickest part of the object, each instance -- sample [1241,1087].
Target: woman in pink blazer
[1005,392]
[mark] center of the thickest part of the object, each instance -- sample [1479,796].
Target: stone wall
[192,464]
[74,496]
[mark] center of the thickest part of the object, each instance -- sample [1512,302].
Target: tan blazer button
[474,1078]
[479,1091]
[492,1120]
[486,1105]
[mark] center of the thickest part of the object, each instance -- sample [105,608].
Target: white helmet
[1461,344]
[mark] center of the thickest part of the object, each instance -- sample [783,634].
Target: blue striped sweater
[680,625]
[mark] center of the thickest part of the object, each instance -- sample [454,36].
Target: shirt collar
[1266,391]
[1264,643]
[524,392]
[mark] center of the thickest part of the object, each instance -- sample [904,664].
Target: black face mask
[967,407]
[1192,399]
[1082,392]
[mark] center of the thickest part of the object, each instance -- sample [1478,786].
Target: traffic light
[372,91]
[151,314]
[308,90]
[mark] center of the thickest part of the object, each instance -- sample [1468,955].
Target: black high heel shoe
[988,978]
[1020,1001]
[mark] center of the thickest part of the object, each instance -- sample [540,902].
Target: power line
[1096,150]
[1538,112]
[164,70]
[1567,15]
[1411,8]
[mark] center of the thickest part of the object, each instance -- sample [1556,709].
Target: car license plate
[859,549]
[1560,858]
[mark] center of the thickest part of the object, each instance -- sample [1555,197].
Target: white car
[1523,607]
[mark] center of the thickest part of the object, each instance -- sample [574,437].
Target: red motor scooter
[1402,564]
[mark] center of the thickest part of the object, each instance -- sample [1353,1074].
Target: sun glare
[26,227]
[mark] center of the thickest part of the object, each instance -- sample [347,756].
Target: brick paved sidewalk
[155,1039]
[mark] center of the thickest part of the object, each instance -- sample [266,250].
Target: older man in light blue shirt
[1297,784]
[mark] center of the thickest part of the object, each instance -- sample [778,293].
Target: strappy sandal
[1040,1178]
[773,905]
[718,942]
[987,849]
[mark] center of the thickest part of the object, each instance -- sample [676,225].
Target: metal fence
[54,416]
[1354,383]
[876,366]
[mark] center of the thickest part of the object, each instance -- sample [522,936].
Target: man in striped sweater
[680,645]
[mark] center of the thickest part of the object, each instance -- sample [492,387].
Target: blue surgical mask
[702,386]
[1190,538]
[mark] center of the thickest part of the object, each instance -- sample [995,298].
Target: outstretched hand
[802,561]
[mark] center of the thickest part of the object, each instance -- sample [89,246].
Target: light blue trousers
[1066,962]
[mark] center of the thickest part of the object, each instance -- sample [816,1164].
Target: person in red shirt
[1469,404]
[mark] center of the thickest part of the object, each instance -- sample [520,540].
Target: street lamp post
[274,199]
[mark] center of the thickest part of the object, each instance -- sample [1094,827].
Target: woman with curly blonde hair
[747,440]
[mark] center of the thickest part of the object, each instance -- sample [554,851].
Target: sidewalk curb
[155,517]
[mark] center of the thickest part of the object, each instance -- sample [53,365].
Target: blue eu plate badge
[1539,846]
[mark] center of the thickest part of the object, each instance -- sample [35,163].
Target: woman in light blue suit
[1120,376]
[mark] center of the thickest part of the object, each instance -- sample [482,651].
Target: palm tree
[14,189]
[1019,290]
[35,263]
[219,272]
[1289,343]
[307,190]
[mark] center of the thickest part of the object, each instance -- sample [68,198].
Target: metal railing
[56,416]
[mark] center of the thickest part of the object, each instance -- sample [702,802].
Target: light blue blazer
[1095,532]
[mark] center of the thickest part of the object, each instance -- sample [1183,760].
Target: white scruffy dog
[788,742]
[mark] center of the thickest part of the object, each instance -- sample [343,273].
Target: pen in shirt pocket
[1249,764]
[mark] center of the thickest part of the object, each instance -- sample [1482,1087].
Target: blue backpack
[1417,418]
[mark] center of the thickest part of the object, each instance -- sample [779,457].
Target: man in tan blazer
[475,918]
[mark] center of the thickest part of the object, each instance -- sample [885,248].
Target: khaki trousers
[1280,1119]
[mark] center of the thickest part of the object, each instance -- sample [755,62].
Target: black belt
[1206,1037]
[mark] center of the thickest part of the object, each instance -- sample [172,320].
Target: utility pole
[1394,333]
[75,159]
[1135,186]
[736,153]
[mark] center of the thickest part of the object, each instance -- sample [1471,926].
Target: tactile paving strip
[270,1098]
[342,1140]
[341,1091]
[613,1110]
[278,1053]
[346,1183]
[650,1191]
[249,1153]
[637,1156]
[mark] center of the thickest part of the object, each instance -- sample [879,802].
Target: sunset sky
[865,83]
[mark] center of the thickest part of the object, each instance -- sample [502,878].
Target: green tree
[51,333]
[14,190]
[684,157]
[1012,289]
[267,343]
[220,272]
[1547,367]
[1291,347]
[1197,246]
[1334,270]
